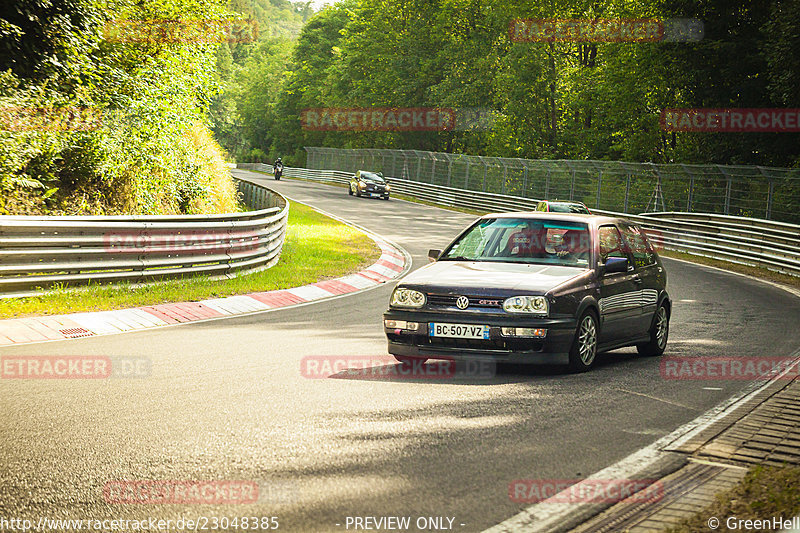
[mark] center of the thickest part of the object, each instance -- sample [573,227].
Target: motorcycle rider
[277,168]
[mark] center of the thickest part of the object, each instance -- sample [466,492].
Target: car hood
[490,275]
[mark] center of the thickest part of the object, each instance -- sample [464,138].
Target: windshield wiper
[457,258]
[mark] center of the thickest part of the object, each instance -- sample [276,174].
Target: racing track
[226,401]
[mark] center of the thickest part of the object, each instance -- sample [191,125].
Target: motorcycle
[278,170]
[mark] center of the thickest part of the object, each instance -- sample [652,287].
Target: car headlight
[536,305]
[407,298]
[362,184]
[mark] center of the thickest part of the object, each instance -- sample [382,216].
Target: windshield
[369,176]
[563,207]
[523,240]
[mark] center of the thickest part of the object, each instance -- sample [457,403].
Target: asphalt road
[225,400]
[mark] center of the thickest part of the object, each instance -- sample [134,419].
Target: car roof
[595,220]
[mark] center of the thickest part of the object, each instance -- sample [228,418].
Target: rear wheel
[659,333]
[584,346]
[409,361]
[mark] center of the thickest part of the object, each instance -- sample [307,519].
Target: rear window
[641,250]
[557,207]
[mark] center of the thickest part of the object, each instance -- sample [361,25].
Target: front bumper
[552,349]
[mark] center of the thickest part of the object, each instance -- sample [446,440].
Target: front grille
[501,344]
[495,344]
[475,302]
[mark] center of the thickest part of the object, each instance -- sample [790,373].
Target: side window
[640,250]
[610,243]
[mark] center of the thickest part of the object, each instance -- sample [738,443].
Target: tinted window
[611,243]
[640,249]
[562,207]
[521,240]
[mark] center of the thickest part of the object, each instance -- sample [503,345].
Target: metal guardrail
[624,187]
[51,250]
[749,241]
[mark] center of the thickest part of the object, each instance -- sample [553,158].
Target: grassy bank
[316,248]
[764,493]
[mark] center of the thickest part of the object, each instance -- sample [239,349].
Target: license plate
[459,331]
[375,194]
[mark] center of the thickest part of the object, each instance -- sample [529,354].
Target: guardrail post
[572,187]
[505,177]
[419,167]
[728,196]
[627,192]
[599,186]
[466,177]
[525,182]
[449,171]
[690,199]
[485,170]
[770,194]
[547,184]
[433,169]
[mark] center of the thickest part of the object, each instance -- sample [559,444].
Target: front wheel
[659,333]
[583,352]
[386,197]
[350,190]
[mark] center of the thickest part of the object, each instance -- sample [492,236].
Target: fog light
[401,325]
[536,333]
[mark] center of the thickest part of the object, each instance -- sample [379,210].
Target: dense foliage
[146,148]
[250,75]
[555,99]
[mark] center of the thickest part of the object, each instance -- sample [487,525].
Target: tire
[386,198]
[659,334]
[350,190]
[409,361]
[358,193]
[583,352]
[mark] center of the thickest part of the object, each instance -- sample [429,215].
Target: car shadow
[441,371]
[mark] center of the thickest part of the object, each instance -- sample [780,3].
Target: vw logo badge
[462,302]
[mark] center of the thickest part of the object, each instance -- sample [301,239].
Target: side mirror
[615,265]
[433,255]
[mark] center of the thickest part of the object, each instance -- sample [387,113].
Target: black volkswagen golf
[534,288]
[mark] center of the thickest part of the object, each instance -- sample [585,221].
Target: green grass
[765,492]
[316,248]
